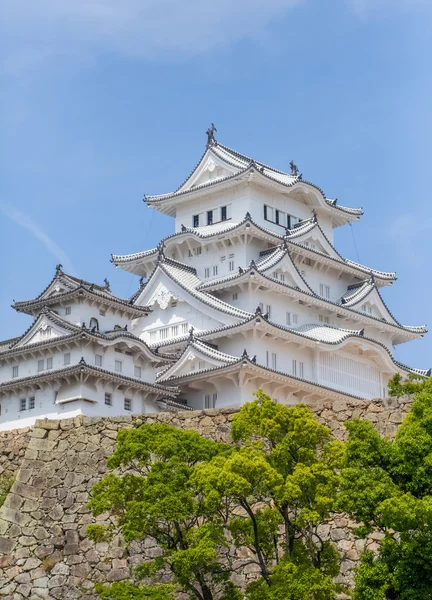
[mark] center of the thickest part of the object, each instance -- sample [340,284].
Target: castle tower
[250,292]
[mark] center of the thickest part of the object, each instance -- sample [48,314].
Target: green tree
[155,499]
[196,498]
[280,486]
[387,486]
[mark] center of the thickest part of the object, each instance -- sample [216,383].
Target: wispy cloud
[34,31]
[28,223]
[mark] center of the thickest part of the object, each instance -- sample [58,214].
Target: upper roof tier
[142,263]
[221,168]
[64,288]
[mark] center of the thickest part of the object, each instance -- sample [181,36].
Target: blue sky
[103,101]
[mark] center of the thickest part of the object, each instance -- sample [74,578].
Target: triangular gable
[374,300]
[209,168]
[315,239]
[281,267]
[44,329]
[196,357]
[163,287]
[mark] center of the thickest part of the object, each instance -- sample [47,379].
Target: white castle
[249,292]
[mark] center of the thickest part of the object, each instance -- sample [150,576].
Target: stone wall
[44,552]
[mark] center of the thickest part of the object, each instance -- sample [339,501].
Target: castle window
[31,402]
[98,360]
[215,270]
[49,363]
[118,366]
[235,296]
[231,265]
[324,319]
[23,404]
[128,404]
[68,310]
[207,272]
[15,370]
[223,213]
[294,367]
[137,372]
[102,312]
[41,365]
[108,399]
[195,220]
[209,217]
[210,400]
[66,358]
[324,290]
[94,324]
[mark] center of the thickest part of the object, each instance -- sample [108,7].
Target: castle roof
[239,167]
[140,263]
[311,335]
[83,368]
[63,288]
[66,332]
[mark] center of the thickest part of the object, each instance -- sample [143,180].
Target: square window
[98,360]
[235,296]
[137,371]
[223,213]
[207,272]
[68,310]
[23,404]
[215,270]
[209,217]
[294,367]
[41,365]
[108,399]
[31,402]
[49,362]
[15,371]
[118,366]
[128,404]
[231,265]
[288,318]
[301,369]
[66,358]
[195,219]
[274,360]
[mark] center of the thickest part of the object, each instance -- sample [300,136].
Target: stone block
[6,545]
[46,424]
[118,575]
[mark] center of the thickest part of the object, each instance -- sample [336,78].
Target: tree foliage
[196,498]
[387,485]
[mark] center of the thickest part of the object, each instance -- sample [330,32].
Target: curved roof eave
[253,168]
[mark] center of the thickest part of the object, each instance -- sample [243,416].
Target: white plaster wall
[82,312]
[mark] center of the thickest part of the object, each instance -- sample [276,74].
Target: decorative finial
[240,270]
[294,169]
[141,281]
[252,264]
[84,325]
[314,216]
[82,362]
[245,354]
[59,267]
[372,277]
[261,169]
[361,333]
[161,253]
[107,284]
[183,228]
[258,310]
[191,334]
[248,216]
[254,358]
[210,135]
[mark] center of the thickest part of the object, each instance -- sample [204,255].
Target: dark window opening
[196,220]
[223,213]
[209,217]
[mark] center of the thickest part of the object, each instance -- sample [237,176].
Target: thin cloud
[364,8]
[35,31]
[26,222]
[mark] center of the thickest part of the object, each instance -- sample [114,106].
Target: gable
[210,167]
[285,271]
[316,240]
[42,330]
[374,306]
[196,359]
